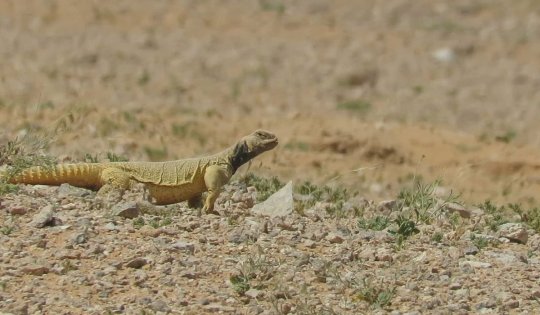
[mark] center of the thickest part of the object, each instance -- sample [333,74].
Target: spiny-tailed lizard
[166,182]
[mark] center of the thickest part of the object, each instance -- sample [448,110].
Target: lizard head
[252,145]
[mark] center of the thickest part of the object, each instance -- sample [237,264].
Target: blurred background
[368,94]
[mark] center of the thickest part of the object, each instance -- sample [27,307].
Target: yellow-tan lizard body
[166,182]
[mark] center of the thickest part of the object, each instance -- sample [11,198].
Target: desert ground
[370,96]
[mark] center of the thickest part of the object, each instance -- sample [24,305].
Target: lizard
[165,182]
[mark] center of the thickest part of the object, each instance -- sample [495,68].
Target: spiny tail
[85,175]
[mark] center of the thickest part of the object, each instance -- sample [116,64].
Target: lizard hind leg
[195,202]
[115,183]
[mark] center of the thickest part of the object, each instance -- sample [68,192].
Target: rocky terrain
[409,130]
[65,251]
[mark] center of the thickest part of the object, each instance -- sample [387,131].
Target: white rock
[515,232]
[280,204]
[444,54]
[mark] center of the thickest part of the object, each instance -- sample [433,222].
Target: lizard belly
[163,195]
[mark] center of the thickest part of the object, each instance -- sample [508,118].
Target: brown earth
[187,78]
[369,95]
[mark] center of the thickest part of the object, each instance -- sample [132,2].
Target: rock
[159,306]
[181,246]
[471,250]
[383,255]
[66,190]
[334,238]
[79,238]
[253,293]
[507,258]
[35,270]
[309,243]
[463,212]
[280,204]
[475,264]
[444,54]
[515,232]
[136,263]
[129,210]
[44,217]
[18,210]
[455,286]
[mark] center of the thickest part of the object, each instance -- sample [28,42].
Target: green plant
[378,296]
[480,242]
[138,222]
[19,154]
[6,230]
[272,5]
[507,137]
[156,153]
[531,217]
[297,145]
[495,215]
[437,237]
[89,158]
[240,283]
[405,229]
[265,186]
[377,223]
[113,157]
[422,200]
[358,106]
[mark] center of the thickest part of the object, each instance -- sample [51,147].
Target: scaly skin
[166,182]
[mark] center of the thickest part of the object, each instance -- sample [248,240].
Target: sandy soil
[368,94]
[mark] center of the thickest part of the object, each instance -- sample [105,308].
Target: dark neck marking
[241,155]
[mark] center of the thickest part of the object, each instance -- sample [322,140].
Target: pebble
[43,217]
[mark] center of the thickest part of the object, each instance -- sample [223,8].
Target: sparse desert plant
[357,106]
[377,223]
[377,295]
[265,186]
[478,241]
[405,229]
[422,200]
[19,154]
[113,157]
[437,237]
[495,215]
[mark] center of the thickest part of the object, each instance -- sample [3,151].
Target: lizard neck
[239,155]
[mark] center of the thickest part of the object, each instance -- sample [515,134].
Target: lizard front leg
[215,177]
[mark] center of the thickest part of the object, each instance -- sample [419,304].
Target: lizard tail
[86,175]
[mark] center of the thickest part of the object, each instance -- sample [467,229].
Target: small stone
[383,255]
[44,217]
[444,54]
[309,243]
[159,306]
[18,210]
[511,304]
[129,210]
[334,238]
[515,232]
[66,190]
[35,270]
[188,275]
[461,210]
[280,204]
[471,250]
[136,263]
[182,247]
[474,264]
[253,293]
[455,286]
[79,238]
[110,227]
